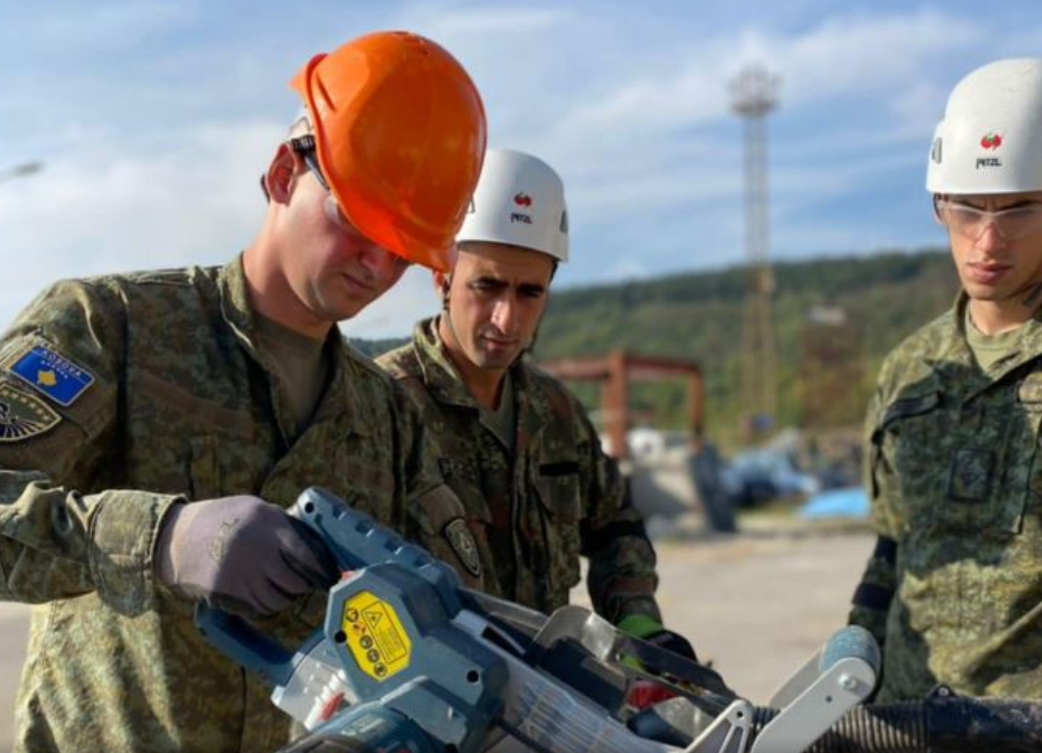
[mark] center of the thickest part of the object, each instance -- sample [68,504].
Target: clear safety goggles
[970,222]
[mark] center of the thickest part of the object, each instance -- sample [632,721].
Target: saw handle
[356,542]
[245,644]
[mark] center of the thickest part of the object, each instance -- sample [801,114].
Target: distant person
[953,590]
[125,397]
[515,445]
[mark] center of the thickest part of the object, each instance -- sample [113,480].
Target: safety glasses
[970,222]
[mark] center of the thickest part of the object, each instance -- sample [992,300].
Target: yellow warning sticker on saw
[375,636]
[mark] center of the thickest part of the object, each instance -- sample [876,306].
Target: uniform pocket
[958,467]
[180,443]
[910,457]
[989,475]
[1022,477]
[557,486]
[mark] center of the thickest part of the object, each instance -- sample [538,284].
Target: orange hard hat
[400,135]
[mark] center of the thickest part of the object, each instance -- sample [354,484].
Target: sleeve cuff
[122,533]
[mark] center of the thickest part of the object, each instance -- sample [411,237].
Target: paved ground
[14,627]
[758,607]
[757,604]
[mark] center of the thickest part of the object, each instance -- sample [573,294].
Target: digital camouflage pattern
[533,512]
[956,488]
[183,404]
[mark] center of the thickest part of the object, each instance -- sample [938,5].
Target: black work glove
[240,554]
[650,630]
[674,642]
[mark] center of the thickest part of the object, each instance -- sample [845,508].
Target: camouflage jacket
[954,589]
[555,497]
[119,395]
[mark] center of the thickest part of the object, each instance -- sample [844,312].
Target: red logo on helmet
[522,199]
[991,141]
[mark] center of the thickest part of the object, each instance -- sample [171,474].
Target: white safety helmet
[519,201]
[990,140]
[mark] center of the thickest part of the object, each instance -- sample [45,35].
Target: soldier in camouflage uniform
[122,398]
[515,445]
[953,590]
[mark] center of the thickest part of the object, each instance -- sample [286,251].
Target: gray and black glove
[240,554]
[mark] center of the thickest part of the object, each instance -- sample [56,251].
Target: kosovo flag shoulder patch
[23,416]
[52,374]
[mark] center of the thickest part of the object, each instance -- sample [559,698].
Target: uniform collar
[1029,341]
[439,374]
[949,357]
[348,370]
[952,350]
[235,303]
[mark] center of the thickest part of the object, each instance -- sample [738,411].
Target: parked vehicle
[757,476]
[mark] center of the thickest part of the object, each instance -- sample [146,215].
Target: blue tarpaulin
[851,502]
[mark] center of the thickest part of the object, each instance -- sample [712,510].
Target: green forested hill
[699,317]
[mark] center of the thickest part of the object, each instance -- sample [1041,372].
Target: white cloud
[106,211]
[851,57]
[855,54]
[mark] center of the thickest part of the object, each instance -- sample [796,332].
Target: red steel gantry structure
[615,371]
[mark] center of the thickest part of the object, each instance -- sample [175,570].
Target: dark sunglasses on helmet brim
[305,147]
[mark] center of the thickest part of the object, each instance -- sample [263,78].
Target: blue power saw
[410,661]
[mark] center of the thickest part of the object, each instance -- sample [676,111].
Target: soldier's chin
[977,292]
[496,361]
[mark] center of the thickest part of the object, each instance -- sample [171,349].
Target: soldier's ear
[442,283]
[281,173]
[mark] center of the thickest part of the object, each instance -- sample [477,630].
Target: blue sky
[155,118]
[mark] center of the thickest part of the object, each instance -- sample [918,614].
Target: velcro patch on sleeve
[23,416]
[51,373]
